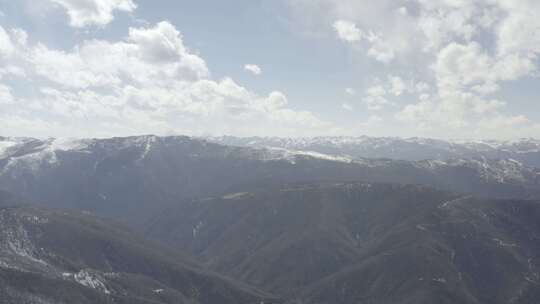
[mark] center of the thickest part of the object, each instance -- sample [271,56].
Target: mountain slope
[134,177]
[57,256]
[365,243]
[524,150]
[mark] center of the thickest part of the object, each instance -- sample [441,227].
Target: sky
[450,69]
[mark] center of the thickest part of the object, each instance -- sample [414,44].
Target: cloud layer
[149,82]
[94,12]
[438,68]
[462,54]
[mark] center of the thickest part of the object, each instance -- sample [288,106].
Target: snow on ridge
[86,278]
[502,170]
[44,153]
[5,146]
[67,144]
[367,141]
[290,155]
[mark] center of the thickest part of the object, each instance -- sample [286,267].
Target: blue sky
[438,68]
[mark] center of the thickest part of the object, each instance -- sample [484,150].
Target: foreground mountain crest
[69,257]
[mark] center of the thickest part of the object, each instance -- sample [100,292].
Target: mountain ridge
[377,243]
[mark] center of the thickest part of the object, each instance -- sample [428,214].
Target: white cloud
[347,106]
[94,12]
[397,85]
[6,46]
[380,49]
[5,95]
[253,68]
[148,55]
[347,31]
[518,32]
[350,91]
[422,87]
[149,82]
[459,54]
[375,98]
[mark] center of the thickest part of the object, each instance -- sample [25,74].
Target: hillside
[58,256]
[365,243]
[136,177]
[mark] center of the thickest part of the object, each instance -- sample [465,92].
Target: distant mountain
[350,243]
[133,178]
[53,256]
[524,150]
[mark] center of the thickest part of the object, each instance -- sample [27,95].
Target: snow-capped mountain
[250,212]
[526,151]
[119,176]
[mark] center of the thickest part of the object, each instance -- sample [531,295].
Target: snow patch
[5,146]
[235,195]
[197,228]
[439,280]
[502,243]
[90,280]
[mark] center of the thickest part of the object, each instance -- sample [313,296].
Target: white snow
[235,195]
[394,144]
[197,228]
[440,280]
[503,244]
[46,153]
[291,155]
[87,279]
[5,146]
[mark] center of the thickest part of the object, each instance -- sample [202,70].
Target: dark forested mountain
[57,256]
[366,243]
[136,176]
[524,150]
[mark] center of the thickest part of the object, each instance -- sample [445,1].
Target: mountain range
[525,150]
[178,219]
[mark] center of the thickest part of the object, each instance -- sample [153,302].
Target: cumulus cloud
[375,98]
[378,48]
[460,55]
[94,12]
[148,82]
[347,106]
[253,68]
[347,31]
[6,46]
[350,91]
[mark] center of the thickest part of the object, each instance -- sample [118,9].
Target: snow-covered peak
[33,153]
